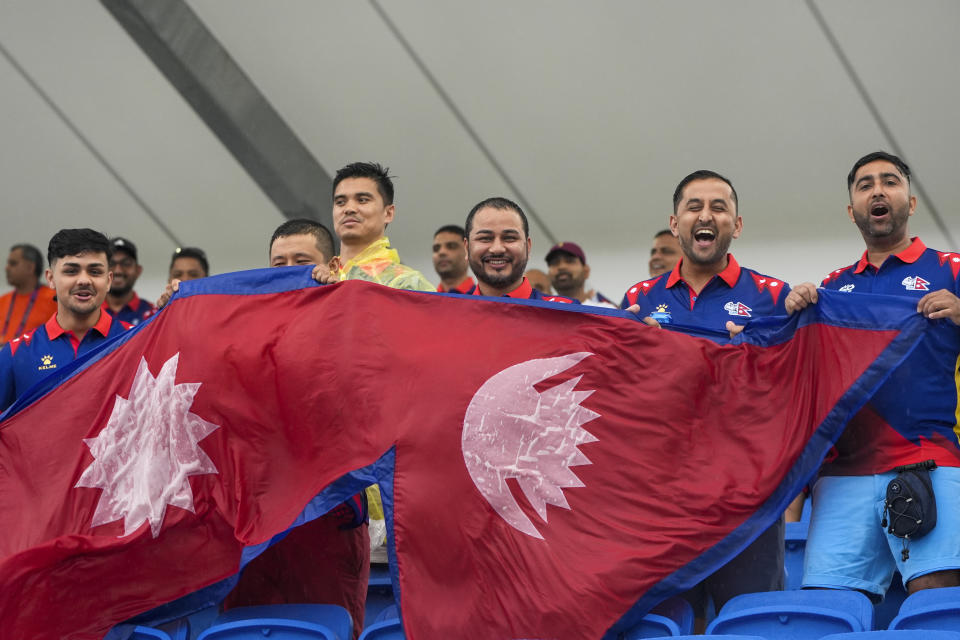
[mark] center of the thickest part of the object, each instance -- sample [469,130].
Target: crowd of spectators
[694,280]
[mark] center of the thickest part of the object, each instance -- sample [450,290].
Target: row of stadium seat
[777,615]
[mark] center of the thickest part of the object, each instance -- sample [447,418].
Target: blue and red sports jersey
[913,416]
[526,292]
[467,287]
[35,355]
[736,294]
[134,312]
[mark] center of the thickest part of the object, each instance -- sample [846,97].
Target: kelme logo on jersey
[915,283]
[661,314]
[847,287]
[737,309]
[46,362]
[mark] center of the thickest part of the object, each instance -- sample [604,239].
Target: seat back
[795,545]
[335,619]
[273,628]
[149,633]
[672,617]
[386,630]
[794,615]
[930,609]
[899,634]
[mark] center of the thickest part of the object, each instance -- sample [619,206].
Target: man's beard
[120,291]
[499,280]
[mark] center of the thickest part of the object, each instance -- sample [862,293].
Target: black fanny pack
[911,507]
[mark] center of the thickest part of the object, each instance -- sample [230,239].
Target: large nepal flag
[548,471]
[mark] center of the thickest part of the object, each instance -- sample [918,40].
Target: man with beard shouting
[708,289]
[912,420]
[498,247]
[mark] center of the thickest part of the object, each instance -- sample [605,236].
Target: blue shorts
[848,549]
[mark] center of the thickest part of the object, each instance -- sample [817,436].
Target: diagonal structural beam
[199,67]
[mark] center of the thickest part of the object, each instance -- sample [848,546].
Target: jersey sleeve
[8,391]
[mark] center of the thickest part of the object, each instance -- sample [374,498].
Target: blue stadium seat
[884,612]
[386,630]
[387,613]
[673,617]
[379,592]
[735,636]
[282,622]
[794,615]
[149,633]
[900,634]
[930,609]
[795,544]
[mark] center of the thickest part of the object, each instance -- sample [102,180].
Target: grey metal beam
[199,67]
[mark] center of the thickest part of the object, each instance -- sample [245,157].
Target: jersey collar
[908,256]
[463,287]
[730,273]
[523,291]
[54,330]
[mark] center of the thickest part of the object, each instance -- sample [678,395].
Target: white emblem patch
[142,458]
[915,283]
[737,309]
[511,430]
[847,288]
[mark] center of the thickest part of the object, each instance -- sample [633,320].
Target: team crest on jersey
[847,288]
[915,283]
[661,314]
[737,309]
[46,362]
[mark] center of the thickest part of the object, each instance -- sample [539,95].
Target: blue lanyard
[23,320]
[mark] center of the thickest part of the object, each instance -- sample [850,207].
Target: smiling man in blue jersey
[913,417]
[80,273]
[708,289]
[498,249]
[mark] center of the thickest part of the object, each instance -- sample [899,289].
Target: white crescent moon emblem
[511,430]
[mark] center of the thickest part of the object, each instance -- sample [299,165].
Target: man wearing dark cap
[568,269]
[122,301]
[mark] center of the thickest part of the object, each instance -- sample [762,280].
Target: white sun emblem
[511,430]
[142,458]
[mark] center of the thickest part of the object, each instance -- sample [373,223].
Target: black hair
[192,252]
[372,170]
[73,242]
[31,254]
[451,228]
[700,174]
[662,232]
[878,155]
[498,202]
[304,226]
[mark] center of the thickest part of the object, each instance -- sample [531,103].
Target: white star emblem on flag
[148,449]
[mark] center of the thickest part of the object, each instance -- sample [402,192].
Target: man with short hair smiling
[122,301]
[498,248]
[80,273]
[450,260]
[708,289]
[912,419]
[664,254]
[30,303]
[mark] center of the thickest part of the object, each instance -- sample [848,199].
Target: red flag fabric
[548,471]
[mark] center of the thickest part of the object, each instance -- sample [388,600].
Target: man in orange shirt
[30,304]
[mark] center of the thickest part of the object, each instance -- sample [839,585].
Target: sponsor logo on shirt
[737,309]
[915,283]
[46,362]
[847,288]
[661,314]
